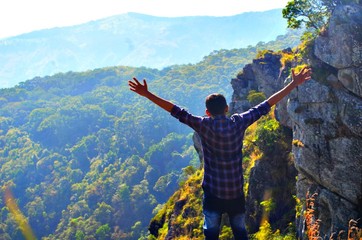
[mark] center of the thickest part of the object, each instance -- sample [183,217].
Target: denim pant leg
[237,222]
[212,220]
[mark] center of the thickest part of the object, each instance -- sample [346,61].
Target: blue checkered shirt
[222,142]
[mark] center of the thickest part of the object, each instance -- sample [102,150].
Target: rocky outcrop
[325,115]
[341,46]
[273,176]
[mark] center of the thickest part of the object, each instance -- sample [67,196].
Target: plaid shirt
[222,142]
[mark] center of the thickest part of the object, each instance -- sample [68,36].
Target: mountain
[131,40]
[82,157]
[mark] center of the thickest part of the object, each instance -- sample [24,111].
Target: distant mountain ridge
[131,39]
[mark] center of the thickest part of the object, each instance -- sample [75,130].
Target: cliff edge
[325,116]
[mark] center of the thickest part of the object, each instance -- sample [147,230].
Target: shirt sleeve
[187,118]
[253,114]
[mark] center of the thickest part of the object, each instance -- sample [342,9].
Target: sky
[22,16]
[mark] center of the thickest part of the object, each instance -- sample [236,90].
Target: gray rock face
[330,124]
[325,115]
[341,46]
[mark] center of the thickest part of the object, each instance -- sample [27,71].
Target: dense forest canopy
[84,157]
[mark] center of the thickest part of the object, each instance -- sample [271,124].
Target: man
[222,139]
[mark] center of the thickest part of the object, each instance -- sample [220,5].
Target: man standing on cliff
[222,139]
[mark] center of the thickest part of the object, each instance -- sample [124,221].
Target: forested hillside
[83,157]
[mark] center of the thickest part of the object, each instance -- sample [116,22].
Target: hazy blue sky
[21,16]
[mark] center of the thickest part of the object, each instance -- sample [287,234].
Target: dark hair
[216,104]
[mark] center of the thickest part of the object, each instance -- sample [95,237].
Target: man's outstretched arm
[142,90]
[297,79]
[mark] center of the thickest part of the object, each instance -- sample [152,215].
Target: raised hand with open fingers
[137,87]
[304,75]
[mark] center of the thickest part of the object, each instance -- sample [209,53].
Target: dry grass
[313,224]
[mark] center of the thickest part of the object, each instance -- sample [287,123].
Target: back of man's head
[216,104]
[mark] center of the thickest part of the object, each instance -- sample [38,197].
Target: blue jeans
[213,208]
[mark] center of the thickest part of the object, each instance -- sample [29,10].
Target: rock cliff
[325,116]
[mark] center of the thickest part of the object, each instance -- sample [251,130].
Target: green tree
[103,231]
[255,97]
[313,14]
[268,132]
[103,213]
[79,235]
